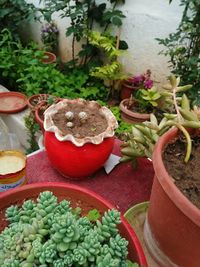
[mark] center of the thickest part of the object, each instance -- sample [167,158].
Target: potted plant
[138,108]
[79,136]
[35,100]
[49,36]
[131,84]
[172,226]
[55,224]
[42,106]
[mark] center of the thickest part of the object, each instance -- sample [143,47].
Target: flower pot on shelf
[172,226]
[84,198]
[49,58]
[79,136]
[131,116]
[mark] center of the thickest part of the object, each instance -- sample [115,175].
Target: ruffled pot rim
[49,125]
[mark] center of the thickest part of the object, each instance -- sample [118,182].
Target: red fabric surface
[123,187]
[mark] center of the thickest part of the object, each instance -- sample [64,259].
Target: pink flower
[148,84]
[142,80]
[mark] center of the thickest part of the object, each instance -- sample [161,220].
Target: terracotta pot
[35,100]
[78,157]
[39,112]
[49,58]
[130,116]
[127,89]
[76,194]
[39,117]
[172,227]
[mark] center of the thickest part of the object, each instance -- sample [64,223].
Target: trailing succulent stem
[144,136]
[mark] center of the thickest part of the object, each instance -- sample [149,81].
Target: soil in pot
[94,124]
[186,176]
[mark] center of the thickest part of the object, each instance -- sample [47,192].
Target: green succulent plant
[142,139]
[48,233]
[152,96]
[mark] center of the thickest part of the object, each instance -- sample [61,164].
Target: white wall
[145,20]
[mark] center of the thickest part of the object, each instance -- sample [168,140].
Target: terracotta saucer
[136,217]
[12,102]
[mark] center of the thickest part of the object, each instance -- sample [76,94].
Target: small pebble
[69,115]
[69,124]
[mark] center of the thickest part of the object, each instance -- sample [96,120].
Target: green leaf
[93,215]
[116,21]
[131,264]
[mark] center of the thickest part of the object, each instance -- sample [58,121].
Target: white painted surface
[145,20]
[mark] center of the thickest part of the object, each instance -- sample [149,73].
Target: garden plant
[145,135]
[46,232]
[182,47]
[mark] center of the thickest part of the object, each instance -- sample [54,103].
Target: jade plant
[144,136]
[46,233]
[147,100]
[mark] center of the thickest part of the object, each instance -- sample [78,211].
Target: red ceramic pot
[78,157]
[88,199]
[77,162]
[172,227]
[130,116]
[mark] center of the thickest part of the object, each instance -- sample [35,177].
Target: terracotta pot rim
[51,59]
[176,196]
[17,109]
[144,116]
[34,96]
[138,248]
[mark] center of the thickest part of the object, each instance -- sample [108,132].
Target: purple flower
[142,80]
[148,84]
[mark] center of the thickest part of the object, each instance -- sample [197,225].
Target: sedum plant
[50,233]
[142,139]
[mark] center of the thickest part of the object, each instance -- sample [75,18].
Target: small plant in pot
[172,226]
[40,108]
[138,107]
[133,83]
[35,100]
[62,225]
[79,136]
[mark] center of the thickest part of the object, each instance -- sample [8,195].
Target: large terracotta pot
[77,157]
[130,116]
[172,227]
[76,194]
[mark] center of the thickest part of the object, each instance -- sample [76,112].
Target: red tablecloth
[124,186]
